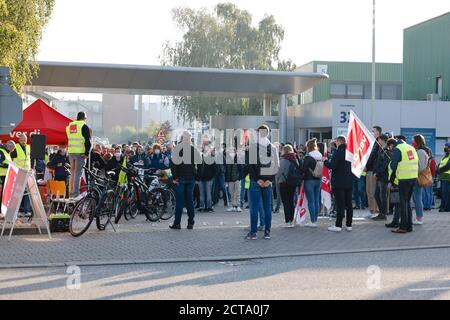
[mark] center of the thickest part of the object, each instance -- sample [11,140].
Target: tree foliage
[21,24]
[224,38]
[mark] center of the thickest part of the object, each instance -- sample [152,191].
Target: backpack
[294,176]
[318,169]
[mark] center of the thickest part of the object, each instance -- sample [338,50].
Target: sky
[133,31]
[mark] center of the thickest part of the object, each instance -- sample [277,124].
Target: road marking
[430,289]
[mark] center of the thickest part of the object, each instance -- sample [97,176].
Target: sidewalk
[217,237]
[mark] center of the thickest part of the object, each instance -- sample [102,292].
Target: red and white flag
[8,186]
[301,208]
[326,188]
[360,142]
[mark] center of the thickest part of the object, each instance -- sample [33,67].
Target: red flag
[360,142]
[8,186]
[301,208]
[326,187]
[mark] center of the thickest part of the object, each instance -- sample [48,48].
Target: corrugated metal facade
[351,72]
[426,56]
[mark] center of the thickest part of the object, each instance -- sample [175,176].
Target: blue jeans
[312,191]
[184,193]
[445,203]
[417,196]
[242,192]
[26,204]
[359,192]
[223,188]
[206,194]
[427,197]
[258,195]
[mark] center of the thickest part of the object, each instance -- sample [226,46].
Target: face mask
[117,155]
[157,151]
[141,152]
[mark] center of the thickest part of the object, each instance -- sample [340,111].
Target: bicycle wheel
[130,210]
[82,216]
[169,204]
[106,211]
[153,207]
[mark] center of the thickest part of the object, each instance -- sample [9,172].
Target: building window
[355,91]
[338,90]
[389,92]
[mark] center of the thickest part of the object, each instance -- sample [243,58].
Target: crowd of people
[262,176]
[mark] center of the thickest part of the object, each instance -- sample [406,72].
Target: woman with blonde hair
[312,170]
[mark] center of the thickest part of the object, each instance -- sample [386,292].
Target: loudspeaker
[38,143]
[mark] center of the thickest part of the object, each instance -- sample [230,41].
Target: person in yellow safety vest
[404,170]
[79,146]
[444,177]
[123,174]
[5,159]
[21,158]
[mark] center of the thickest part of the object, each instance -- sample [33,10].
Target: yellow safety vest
[3,171]
[364,173]
[444,175]
[247,182]
[123,174]
[408,168]
[75,137]
[23,158]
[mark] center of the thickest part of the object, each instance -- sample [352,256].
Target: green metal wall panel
[426,55]
[355,72]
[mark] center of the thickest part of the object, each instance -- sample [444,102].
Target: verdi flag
[301,208]
[360,142]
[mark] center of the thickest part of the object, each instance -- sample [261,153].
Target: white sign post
[16,182]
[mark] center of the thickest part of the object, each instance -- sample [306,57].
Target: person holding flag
[351,157]
[342,185]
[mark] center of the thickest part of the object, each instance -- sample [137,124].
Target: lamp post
[373,64]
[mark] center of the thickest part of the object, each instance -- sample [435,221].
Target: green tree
[227,39]
[21,24]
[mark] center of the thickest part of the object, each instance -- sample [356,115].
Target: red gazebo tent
[40,118]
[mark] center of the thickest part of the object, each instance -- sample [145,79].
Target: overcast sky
[133,31]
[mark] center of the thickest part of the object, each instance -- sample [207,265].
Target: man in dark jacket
[60,164]
[233,179]
[371,180]
[206,173]
[140,161]
[380,170]
[183,167]
[342,185]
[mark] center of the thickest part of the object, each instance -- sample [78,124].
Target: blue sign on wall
[429,135]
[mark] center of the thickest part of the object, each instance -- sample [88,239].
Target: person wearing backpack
[289,178]
[312,169]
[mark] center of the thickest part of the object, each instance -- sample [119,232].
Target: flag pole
[373,64]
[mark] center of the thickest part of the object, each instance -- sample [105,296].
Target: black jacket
[58,163]
[206,172]
[373,156]
[233,171]
[86,132]
[381,164]
[309,164]
[254,170]
[3,164]
[341,174]
[185,171]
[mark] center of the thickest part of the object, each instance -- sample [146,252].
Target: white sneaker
[290,225]
[418,222]
[230,209]
[311,225]
[238,209]
[349,229]
[334,229]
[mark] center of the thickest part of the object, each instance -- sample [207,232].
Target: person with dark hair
[79,146]
[342,184]
[262,168]
[380,169]
[371,180]
[394,201]
[404,168]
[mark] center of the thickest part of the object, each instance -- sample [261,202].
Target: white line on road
[430,289]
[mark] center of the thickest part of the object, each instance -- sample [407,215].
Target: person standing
[342,185]
[312,169]
[263,166]
[404,168]
[183,167]
[79,146]
[206,172]
[394,198]
[5,159]
[444,176]
[232,178]
[21,158]
[371,180]
[380,170]
[287,191]
[422,153]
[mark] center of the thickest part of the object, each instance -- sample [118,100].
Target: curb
[212,259]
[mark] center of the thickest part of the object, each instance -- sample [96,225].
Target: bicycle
[98,203]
